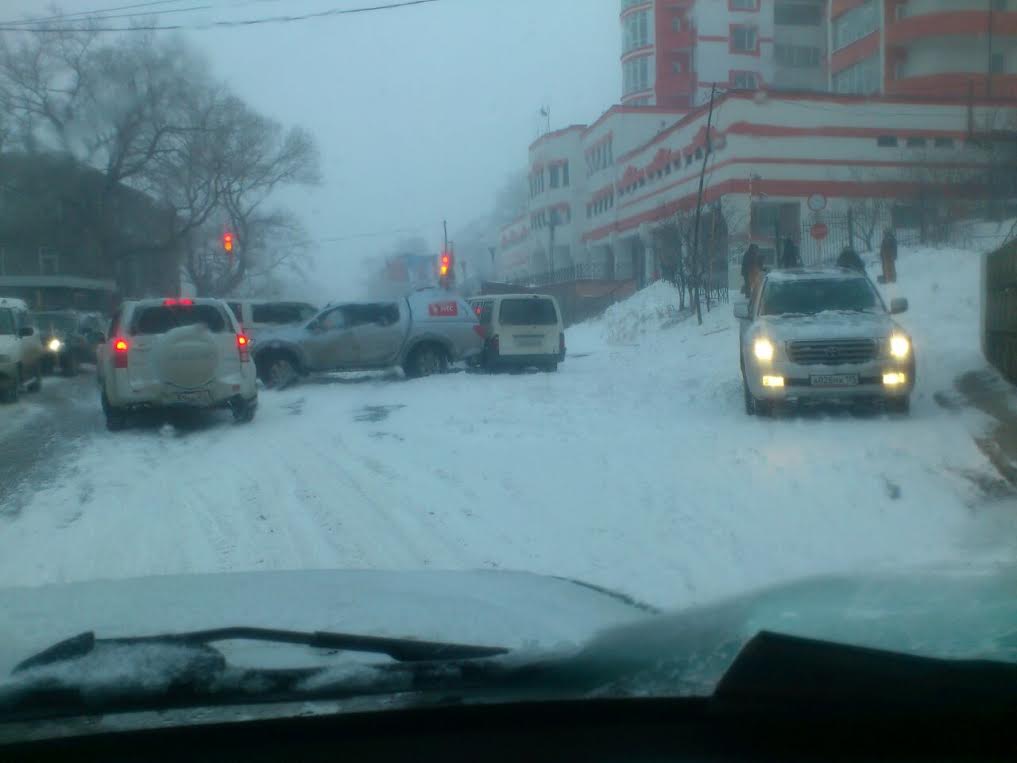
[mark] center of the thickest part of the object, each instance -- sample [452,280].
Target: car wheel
[116,419]
[427,361]
[243,411]
[279,372]
[11,394]
[36,384]
[899,405]
[550,368]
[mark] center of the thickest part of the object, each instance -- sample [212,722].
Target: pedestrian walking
[752,270]
[849,259]
[888,254]
[789,256]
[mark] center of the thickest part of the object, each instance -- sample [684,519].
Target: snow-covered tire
[426,360]
[243,411]
[10,395]
[899,405]
[278,371]
[116,419]
[550,368]
[36,384]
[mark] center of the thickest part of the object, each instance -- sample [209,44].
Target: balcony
[951,24]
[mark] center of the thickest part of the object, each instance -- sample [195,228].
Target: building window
[798,56]
[49,263]
[860,79]
[887,141]
[677,67]
[744,80]
[789,13]
[555,175]
[997,63]
[565,175]
[944,143]
[857,23]
[677,24]
[744,39]
[916,142]
[636,31]
[636,75]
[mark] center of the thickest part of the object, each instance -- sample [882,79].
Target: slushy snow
[634,468]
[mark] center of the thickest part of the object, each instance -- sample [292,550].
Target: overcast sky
[420,113]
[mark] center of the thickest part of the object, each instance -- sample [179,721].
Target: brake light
[120,348]
[178,302]
[481,330]
[244,348]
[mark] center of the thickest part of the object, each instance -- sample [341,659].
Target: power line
[225,24]
[96,12]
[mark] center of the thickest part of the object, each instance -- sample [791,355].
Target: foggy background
[420,113]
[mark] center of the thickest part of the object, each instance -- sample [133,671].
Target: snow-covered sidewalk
[633,468]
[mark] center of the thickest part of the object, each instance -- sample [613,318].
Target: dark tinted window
[280,313]
[815,296]
[159,320]
[238,311]
[6,322]
[483,312]
[528,312]
[384,314]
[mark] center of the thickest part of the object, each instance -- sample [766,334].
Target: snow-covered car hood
[828,325]
[489,608]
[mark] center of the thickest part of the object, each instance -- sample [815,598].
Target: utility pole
[444,224]
[698,274]
[988,70]
[554,220]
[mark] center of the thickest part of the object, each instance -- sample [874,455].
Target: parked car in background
[175,353]
[814,334]
[520,330]
[21,353]
[255,315]
[68,339]
[422,333]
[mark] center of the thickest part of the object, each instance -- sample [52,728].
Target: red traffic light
[446,264]
[227,242]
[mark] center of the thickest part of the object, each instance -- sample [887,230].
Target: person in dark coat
[789,257]
[849,259]
[888,254]
[752,270]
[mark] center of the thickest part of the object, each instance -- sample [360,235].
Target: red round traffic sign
[820,231]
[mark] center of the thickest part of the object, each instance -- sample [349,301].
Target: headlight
[55,345]
[763,349]
[900,346]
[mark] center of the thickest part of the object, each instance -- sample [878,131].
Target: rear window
[280,313]
[528,312]
[159,320]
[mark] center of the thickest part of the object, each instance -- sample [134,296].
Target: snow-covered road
[633,468]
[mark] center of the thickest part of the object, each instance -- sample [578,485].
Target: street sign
[820,231]
[817,202]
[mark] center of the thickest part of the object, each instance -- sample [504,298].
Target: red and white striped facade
[640,165]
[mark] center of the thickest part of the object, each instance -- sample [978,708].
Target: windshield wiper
[399,649]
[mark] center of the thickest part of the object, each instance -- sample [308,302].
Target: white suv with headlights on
[815,334]
[175,353]
[21,353]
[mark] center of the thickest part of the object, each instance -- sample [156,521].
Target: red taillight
[181,302]
[243,347]
[481,330]
[120,353]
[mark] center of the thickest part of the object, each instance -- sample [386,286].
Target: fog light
[894,379]
[773,381]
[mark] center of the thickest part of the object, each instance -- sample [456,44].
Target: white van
[521,330]
[21,352]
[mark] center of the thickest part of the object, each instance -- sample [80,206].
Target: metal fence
[581,272]
[999,325]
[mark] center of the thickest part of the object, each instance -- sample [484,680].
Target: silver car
[421,333]
[823,334]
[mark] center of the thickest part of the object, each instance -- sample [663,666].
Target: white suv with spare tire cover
[175,353]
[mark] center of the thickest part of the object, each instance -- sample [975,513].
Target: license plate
[192,397]
[834,380]
[529,341]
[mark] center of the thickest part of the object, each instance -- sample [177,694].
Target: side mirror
[898,305]
[741,310]
[26,331]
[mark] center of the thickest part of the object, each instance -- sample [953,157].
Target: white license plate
[834,380]
[529,341]
[192,397]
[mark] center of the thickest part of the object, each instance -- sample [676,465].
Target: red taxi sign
[443,309]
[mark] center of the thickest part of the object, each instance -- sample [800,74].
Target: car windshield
[505,324]
[528,312]
[58,322]
[811,296]
[162,318]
